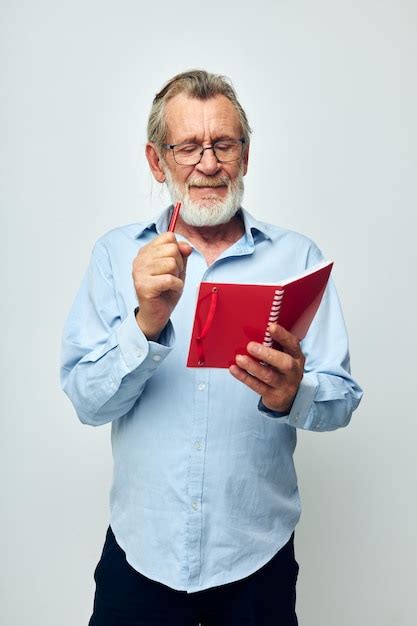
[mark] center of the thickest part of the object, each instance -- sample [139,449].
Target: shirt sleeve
[327,395]
[106,360]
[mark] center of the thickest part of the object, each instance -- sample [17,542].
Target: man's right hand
[158,276]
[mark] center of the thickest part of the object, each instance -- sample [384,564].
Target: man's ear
[245,160]
[154,160]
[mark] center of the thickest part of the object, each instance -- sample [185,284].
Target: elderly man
[204,499]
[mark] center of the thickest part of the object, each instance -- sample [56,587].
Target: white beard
[211,211]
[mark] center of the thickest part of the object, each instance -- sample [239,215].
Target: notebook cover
[242,313]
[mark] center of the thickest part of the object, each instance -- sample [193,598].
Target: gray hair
[195,84]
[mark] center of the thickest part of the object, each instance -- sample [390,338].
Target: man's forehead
[192,116]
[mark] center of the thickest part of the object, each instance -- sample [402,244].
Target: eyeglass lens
[192,153]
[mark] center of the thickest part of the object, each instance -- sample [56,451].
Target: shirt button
[156,357]
[296,418]
[194,505]
[202,387]
[197,445]
[139,353]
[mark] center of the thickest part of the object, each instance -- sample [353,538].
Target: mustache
[201,181]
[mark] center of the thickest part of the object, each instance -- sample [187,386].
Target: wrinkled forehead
[201,120]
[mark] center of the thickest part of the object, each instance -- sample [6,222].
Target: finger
[265,373]
[288,341]
[167,237]
[158,243]
[148,258]
[282,361]
[253,383]
[165,282]
[185,249]
[166,265]
[169,250]
[154,267]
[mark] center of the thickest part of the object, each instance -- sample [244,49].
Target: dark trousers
[126,598]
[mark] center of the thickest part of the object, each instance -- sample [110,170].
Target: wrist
[151,331]
[282,407]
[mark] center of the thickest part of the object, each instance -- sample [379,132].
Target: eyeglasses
[189,153]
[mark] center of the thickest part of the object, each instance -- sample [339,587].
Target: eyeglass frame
[171,146]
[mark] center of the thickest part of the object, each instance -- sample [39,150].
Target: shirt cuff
[137,350]
[302,410]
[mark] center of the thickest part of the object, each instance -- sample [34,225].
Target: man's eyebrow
[195,139]
[187,139]
[226,138]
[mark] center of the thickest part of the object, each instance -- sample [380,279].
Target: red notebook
[228,315]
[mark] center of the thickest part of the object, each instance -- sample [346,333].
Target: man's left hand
[278,380]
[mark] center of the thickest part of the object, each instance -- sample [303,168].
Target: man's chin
[207,204]
[201,216]
[208,198]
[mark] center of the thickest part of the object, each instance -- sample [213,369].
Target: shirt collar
[254,229]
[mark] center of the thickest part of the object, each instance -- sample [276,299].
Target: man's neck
[211,241]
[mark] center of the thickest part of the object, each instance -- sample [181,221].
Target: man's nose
[209,164]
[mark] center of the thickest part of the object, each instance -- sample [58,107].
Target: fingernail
[254,348]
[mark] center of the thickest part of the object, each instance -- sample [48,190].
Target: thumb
[185,250]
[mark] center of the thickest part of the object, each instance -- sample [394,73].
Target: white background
[330,91]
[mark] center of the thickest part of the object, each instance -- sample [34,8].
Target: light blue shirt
[204,489]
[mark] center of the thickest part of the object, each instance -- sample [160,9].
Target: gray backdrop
[330,91]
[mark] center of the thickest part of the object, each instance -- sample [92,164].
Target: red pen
[174,217]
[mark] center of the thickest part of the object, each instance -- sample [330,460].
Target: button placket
[196,473]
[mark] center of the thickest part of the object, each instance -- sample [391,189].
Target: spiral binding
[273,316]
